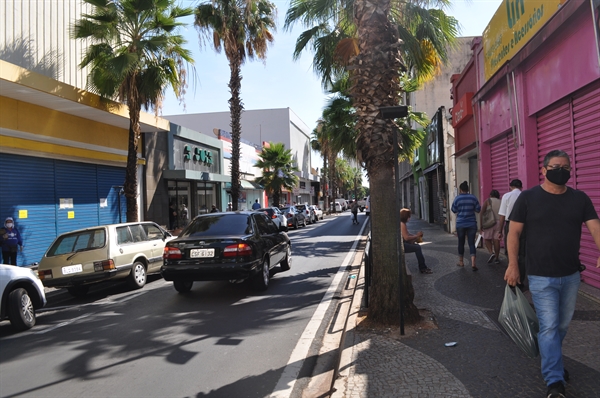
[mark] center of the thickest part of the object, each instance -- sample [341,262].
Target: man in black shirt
[551,214]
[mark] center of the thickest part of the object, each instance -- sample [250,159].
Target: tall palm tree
[134,55]
[366,36]
[243,29]
[278,169]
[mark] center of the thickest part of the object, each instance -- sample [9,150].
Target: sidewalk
[464,307]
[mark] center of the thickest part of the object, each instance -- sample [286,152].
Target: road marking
[288,378]
[60,325]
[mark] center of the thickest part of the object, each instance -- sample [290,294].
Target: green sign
[197,155]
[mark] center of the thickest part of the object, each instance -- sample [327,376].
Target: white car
[22,293]
[79,258]
[368,206]
[318,212]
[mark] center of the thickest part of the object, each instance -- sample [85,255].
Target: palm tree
[365,35]
[134,55]
[278,168]
[243,29]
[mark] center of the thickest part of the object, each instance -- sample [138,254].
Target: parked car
[22,293]
[362,204]
[318,212]
[233,246]
[276,216]
[308,213]
[79,258]
[337,206]
[294,216]
[342,203]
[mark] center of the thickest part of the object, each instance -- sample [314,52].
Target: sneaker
[491,258]
[497,260]
[556,390]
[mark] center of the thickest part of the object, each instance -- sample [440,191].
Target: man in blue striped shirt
[465,206]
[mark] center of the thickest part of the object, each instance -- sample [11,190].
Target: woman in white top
[491,236]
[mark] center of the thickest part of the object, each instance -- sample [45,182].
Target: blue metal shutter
[110,179]
[27,186]
[76,181]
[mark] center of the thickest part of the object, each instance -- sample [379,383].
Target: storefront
[185,171]
[542,92]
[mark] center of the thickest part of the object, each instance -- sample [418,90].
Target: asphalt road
[221,340]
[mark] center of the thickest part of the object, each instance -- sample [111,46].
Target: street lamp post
[394,112]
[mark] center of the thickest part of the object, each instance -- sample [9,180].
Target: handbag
[520,321]
[488,219]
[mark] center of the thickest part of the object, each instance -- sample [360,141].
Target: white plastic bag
[520,322]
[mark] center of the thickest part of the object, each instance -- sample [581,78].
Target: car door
[156,239]
[268,236]
[130,243]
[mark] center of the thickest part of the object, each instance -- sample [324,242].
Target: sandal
[460,265]
[426,271]
[475,268]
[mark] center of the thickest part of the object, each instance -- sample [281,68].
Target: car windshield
[285,209]
[78,241]
[218,224]
[301,207]
[269,211]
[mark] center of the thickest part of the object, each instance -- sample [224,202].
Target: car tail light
[289,215]
[274,216]
[105,265]
[171,253]
[45,274]
[239,249]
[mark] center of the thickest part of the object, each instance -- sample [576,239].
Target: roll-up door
[572,126]
[113,207]
[77,195]
[586,127]
[27,195]
[504,165]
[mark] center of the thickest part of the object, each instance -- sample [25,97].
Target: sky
[281,82]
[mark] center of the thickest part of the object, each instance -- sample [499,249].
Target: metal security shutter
[110,179]
[586,128]
[554,132]
[76,181]
[499,151]
[27,195]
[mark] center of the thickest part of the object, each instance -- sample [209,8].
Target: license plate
[199,253]
[72,269]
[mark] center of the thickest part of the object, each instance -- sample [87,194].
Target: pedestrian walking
[506,205]
[256,205]
[491,233]
[410,242]
[354,211]
[184,216]
[214,209]
[11,241]
[465,206]
[172,216]
[552,213]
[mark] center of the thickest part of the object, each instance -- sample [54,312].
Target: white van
[343,204]
[368,206]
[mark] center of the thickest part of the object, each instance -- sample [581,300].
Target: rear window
[219,224]
[79,241]
[301,207]
[268,211]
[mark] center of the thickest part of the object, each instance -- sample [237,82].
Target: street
[220,340]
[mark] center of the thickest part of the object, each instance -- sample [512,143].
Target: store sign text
[197,155]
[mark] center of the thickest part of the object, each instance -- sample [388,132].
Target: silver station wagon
[79,258]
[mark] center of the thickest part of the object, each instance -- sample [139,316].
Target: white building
[266,125]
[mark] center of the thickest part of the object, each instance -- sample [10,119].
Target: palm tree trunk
[130,185]
[376,84]
[236,108]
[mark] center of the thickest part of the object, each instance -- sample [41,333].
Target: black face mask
[558,176]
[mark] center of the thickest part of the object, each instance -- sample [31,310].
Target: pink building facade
[545,97]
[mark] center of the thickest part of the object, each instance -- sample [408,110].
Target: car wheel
[78,291]
[261,280]
[286,263]
[137,277]
[20,310]
[183,286]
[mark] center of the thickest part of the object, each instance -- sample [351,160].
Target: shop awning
[247,185]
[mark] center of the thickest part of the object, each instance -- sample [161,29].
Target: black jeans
[9,257]
[415,248]
[355,217]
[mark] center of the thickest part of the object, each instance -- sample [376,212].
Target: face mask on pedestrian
[8,225]
[558,176]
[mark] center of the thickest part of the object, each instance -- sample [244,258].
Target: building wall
[542,99]
[34,34]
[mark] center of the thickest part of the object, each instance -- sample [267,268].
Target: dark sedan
[232,246]
[294,216]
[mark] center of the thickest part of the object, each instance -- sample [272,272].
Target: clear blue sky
[281,82]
